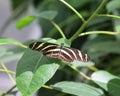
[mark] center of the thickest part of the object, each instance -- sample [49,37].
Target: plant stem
[22,45]
[89,19]
[92,68]
[62,24]
[59,29]
[98,32]
[7,71]
[77,70]
[73,9]
[48,87]
[109,15]
[4,94]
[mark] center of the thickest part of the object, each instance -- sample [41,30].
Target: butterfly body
[56,51]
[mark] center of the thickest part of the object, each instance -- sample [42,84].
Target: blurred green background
[104,50]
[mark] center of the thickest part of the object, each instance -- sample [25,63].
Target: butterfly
[61,52]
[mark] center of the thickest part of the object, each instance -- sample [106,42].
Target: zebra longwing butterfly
[56,51]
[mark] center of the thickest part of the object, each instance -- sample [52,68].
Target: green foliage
[78,89]
[4,41]
[66,42]
[107,81]
[81,64]
[33,71]
[25,21]
[82,24]
[49,15]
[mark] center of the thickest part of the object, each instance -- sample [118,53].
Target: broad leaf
[33,71]
[25,21]
[78,89]
[107,81]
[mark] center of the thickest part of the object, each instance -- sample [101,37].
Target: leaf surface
[78,89]
[33,71]
[107,81]
[25,21]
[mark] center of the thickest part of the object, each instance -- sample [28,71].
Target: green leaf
[49,15]
[82,64]
[4,41]
[60,41]
[66,42]
[50,40]
[78,89]
[33,71]
[113,5]
[25,21]
[107,81]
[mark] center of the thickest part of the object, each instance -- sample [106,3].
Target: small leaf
[66,42]
[107,81]
[4,41]
[81,64]
[78,89]
[49,15]
[25,21]
[50,40]
[33,71]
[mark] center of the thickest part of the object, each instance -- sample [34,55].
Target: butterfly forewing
[43,47]
[56,51]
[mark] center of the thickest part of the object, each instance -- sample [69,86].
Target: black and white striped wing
[43,47]
[56,51]
[68,54]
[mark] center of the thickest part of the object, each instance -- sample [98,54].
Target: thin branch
[92,68]
[98,32]
[77,70]
[9,75]
[109,15]
[59,29]
[12,72]
[47,87]
[89,19]
[8,91]
[73,9]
